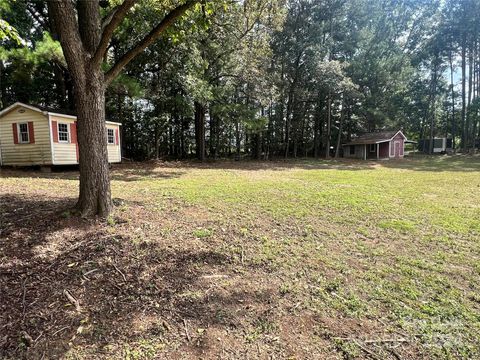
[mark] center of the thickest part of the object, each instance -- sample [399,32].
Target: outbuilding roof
[375,137]
[45,111]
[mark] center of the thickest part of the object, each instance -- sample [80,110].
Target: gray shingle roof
[373,138]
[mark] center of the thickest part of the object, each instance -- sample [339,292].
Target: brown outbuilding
[376,145]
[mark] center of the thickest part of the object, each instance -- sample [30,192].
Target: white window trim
[108,142]
[68,132]
[20,141]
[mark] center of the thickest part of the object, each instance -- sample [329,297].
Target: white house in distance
[32,135]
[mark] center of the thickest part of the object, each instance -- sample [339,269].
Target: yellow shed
[32,135]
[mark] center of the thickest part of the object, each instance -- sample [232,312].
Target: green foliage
[269,75]
[8,32]
[49,50]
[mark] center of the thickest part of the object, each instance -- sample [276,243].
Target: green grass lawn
[303,259]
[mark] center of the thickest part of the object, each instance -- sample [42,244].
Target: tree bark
[95,194]
[450,59]
[433,97]
[340,129]
[469,100]
[237,139]
[2,86]
[200,130]
[464,105]
[329,126]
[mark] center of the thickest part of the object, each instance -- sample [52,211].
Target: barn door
[397,149]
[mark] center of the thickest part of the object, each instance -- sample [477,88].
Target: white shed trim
[51,138]
[17,104]
[47,113]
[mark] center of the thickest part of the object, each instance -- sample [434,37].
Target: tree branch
[42,21]
[109,24]
[89,24]
[148,40]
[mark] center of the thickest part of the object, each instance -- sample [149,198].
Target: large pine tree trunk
[95,195]
[84,37]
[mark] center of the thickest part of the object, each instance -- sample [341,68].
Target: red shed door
[397,149]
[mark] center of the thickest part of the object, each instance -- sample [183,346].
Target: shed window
[63,135]
[23,133]
[352,149]
[110,136]
[372,148]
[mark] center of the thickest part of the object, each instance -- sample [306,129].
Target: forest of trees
[266,78]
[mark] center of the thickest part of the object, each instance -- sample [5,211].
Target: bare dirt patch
[184,271]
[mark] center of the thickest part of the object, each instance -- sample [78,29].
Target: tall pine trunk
[329,126]
[200,130]
[454,130]
[464,105]
[95,194]
[469,99]
[340,129]
[433,112]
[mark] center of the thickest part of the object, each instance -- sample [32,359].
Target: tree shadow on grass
[134,172]
[273,165]
[436,163]
[419,162]
[67,282]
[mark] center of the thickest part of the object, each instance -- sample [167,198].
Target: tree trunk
[450,59]
[329,127]
[317,127]
[464,66]
[469,99]
[84,43]
[95,194]
[433,97]
[340,129]
[237,139]
[200,130]
[2,86]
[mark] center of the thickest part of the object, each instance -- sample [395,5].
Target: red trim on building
[31,132]
[55,131]
[15,133]
[73,132]
[73,136]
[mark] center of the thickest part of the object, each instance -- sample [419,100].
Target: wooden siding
[63,153]
[114,153]
[38,153]
[384,148]
[358,154]
[66,153]
[401,141]
[370,154]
